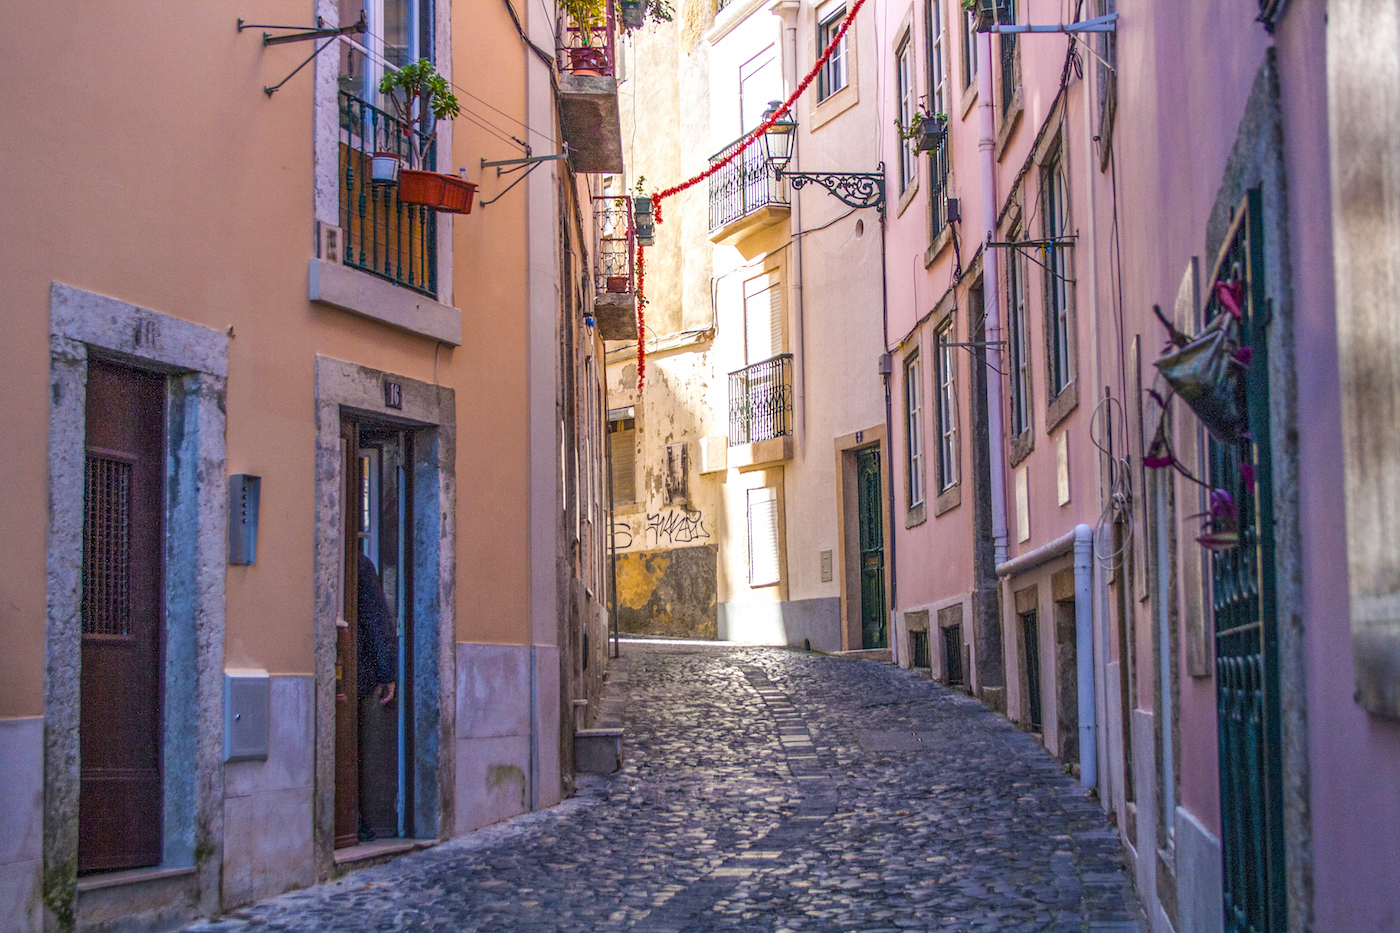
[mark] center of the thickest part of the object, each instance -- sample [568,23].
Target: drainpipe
[788,12]
[1084,653]
[986,145]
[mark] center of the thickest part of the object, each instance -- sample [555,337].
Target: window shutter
[763,319]
[763,536]
[624,466]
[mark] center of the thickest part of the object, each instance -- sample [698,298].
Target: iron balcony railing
[1010,70]
[394,241]
[591,50]
[615,246]
[744,185]
[760,401]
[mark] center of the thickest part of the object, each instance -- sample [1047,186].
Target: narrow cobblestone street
[768,790]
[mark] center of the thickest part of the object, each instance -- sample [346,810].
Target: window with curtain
[763,536]
[947,408]
[969,51]
[914,430]
[905,88]
[1055,208]
[1016,343]
[832,77]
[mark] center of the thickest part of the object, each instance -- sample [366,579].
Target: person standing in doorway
[375,668]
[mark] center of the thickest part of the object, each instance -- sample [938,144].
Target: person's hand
[385,692]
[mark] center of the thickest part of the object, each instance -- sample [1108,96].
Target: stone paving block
[766,790]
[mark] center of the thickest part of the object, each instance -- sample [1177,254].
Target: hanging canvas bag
[1207,371]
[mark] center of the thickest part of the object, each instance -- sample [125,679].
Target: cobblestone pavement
[768,790]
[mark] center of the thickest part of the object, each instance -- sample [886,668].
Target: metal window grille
[744,185]
[947,410]
[832,77]
[591,50]
[953,656]
[1030,641]
[760,401]
[919,644]
[938,174]
[107,547]
[394,241]
[615,244]
[1010,61]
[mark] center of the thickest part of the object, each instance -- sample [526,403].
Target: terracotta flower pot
[446,193]
[587,61]
[619,284]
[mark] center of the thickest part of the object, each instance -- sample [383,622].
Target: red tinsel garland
[659,196]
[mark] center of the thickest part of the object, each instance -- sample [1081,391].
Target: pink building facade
[1229,711]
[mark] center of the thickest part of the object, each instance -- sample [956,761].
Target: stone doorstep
[866,654]
[377,852]
[598,751]
[151,898]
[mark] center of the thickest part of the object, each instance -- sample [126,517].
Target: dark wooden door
[1030,643]
[120,732]
[1245,618]
[872,549]
[347,732]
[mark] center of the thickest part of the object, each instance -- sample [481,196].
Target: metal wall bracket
[853,189]
[320,32]
[1106,23]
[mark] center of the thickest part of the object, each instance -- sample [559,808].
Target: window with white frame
[1055,207]
[937,79]
[969,51]
[398,32]
[904,86]
[832,77]
[1017,349]
[763,536]
[914,429]
[947,374]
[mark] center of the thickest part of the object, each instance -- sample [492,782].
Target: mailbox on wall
[243,493]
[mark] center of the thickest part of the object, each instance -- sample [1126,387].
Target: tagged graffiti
[622,535]
[675,526]
[667,528]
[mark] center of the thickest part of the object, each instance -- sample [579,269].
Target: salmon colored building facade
[238,368]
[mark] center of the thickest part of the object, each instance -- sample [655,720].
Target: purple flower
[1244,355]
[1222,506]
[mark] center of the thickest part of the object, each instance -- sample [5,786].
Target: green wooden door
[872,550]
[1245,620]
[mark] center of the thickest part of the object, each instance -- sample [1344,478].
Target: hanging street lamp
[854,189]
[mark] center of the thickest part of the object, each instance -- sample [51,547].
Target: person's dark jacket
[375,631]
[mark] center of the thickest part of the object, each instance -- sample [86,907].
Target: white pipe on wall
[1084,653]
[986,145]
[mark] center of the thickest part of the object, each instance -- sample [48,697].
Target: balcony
[587,59]
[745,195]
[393,241]
[760,414]
[614,277]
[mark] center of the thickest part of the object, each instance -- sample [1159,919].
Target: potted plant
[926,128]
[588,17]
[636,12]
[984,13]
[384,168]
[418,94]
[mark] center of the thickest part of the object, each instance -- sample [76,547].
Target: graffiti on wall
[667,528]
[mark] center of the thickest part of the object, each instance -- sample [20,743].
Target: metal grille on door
[107,547]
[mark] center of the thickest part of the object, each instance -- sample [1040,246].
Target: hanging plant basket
[384,168]
[931,134]
[984,14]
[587,60]
[619,284]
[446,193]
[633,13]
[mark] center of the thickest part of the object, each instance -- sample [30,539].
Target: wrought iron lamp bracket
[854,189]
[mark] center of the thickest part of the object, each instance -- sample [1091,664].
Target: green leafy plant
[588,17]
[921,122]
[415,91]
